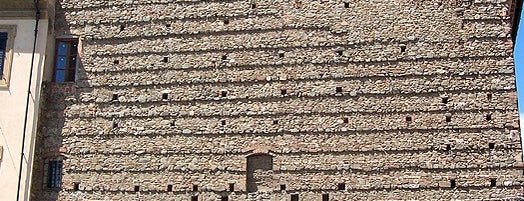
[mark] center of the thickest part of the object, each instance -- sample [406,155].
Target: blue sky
[519,67]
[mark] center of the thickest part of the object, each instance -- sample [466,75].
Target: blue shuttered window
[3,46]
[65,61]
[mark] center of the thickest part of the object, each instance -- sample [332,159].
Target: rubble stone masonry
[284,99]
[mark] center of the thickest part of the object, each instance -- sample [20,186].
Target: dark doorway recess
[259,172]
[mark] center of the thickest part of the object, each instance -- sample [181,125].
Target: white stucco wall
[12,107]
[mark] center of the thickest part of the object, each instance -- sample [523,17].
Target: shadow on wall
[259,173]
[56,99]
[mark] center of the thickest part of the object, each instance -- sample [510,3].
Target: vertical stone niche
[259,172]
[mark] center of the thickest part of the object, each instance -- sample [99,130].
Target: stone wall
[400,99]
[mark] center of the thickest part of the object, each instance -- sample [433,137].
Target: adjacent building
[23,43]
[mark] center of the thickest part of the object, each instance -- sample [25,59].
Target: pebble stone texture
[284,100]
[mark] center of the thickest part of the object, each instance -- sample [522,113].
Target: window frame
[68,54]
[8,58]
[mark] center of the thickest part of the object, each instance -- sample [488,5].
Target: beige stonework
[394,100]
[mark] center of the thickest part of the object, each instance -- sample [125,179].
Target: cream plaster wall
[12,107]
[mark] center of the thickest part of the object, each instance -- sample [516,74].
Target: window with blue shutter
[3,46]
[65,60]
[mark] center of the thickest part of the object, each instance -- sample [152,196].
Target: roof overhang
[14,9]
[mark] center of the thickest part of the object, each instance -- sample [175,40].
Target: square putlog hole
[294,197]
[452,183]
[402,48]
[341,186]
[137,188]
[231,187]
[169,188]
[282,187]
[493,182]
[115,97]
[283,92]
[488,117]
[491,145]
[338,89]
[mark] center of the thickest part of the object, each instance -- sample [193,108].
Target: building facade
[279,100]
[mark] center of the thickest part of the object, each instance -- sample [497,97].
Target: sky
[519,68]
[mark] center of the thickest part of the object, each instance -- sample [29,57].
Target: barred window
[54,174]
